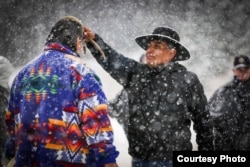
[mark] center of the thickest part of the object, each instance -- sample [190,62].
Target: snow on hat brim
[241,66]
[182,52]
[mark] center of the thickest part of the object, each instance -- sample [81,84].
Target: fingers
[88,34]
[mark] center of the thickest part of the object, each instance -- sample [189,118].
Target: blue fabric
[57,112]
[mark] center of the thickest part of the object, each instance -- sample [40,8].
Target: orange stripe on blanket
[54,146]
[101,107]
[57,122]
[84,150]
[106,129]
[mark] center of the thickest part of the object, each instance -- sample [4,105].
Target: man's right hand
[88,34]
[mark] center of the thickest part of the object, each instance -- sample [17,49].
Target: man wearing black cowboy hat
[230,109]
[163,97]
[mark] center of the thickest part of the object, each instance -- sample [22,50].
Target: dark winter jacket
[230,110]
[162,102]
[119,109]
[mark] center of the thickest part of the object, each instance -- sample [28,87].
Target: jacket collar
[60,47]
[170,67]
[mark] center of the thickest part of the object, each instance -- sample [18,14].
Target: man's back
[45,97]
[40,105]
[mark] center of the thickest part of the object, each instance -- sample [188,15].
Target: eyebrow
[159,42]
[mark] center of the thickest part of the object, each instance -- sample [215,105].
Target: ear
[236,72]
[172,53]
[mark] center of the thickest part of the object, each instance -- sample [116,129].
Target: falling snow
[213,31]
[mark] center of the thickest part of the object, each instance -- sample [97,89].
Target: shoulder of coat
[74,58]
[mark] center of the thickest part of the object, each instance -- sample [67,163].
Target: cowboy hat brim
[241,66]
[182,52]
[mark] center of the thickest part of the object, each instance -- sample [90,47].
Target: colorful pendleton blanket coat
[57,113]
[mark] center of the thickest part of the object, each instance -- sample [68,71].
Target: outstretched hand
[88,34]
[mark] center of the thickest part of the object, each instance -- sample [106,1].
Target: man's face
[159,53]
[242,74]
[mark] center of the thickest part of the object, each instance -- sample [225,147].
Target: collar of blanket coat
[61,48]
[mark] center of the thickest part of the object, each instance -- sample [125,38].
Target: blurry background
[213,31]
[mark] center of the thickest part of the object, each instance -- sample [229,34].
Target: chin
[151,64]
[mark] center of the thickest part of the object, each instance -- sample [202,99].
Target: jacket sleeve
[10,126]
[96,125]
[225,131]
[201,117]
[118,66]
[217,118]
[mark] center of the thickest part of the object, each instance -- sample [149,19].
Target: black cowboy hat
[165,34]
